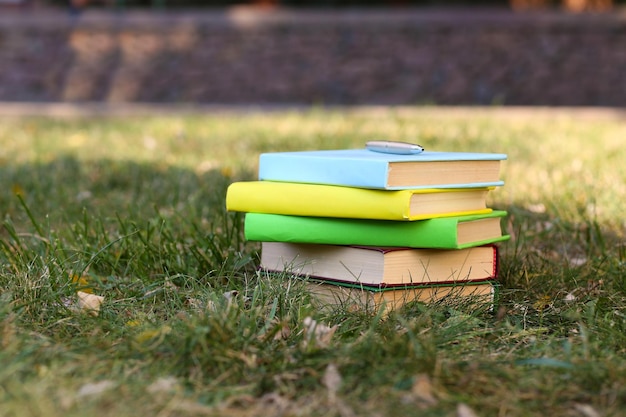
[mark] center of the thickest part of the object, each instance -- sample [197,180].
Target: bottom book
[328,294]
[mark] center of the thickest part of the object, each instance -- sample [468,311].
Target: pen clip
[399,148]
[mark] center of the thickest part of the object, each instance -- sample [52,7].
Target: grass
[132,209]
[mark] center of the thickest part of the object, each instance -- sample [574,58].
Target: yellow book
[313,200]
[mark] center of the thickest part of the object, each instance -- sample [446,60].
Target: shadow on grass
[63,188]
[121,218]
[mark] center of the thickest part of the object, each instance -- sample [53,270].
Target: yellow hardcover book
[313,200]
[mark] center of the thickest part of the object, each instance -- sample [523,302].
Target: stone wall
[243,56]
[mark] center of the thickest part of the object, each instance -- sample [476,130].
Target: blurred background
[314,52]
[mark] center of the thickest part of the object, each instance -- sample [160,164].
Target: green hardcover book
[441,233]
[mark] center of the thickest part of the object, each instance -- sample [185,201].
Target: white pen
[402,148]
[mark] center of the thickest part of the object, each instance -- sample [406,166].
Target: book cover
[301,199]
[381,266]
[367,169]
[474,295]
[442,233]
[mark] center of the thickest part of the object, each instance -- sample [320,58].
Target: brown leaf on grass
[89,303]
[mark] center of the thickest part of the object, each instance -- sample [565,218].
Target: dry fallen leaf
[89,303]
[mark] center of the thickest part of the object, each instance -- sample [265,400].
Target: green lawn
[132,209]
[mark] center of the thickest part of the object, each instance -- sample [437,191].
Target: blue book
[366,169]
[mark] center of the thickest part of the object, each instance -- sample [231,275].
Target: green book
[442,233]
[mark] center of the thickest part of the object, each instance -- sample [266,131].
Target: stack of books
[377,229]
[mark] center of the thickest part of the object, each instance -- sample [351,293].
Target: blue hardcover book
[366,169]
